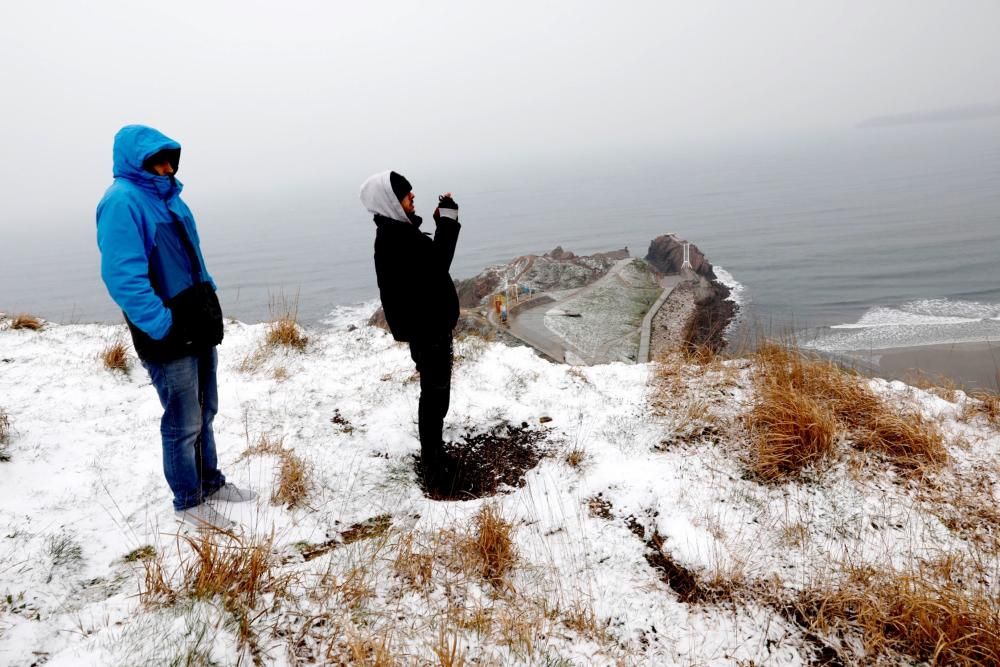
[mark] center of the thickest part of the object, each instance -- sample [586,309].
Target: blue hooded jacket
[145,262]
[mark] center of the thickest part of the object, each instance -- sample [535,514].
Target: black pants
[433,357]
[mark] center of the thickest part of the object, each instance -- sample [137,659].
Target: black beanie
[400,186]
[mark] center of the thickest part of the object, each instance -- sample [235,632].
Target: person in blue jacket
[152,265]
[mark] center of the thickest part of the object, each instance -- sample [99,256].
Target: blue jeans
[189,395]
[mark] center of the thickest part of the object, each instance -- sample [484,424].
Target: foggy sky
[273,97]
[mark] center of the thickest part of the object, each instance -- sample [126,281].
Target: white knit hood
[377,196]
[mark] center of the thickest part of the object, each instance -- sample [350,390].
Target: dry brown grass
[293,482]
[25,321]
[371,651]
[447,651]
[803,401]
[4,427]
[264,446]
[984,404]
[582,619]
[923,614]
[908,439]
[115,356]
[411,564]
[461,574]
[253,360]
[939,385]
[226,566]
[239,571]
[285,331]
[217,563]
[492,542]
[575,457]
[789,432]
[281,331]
[701,355]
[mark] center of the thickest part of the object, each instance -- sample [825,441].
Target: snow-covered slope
[623,478]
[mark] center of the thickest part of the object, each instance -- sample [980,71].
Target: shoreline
[970,365]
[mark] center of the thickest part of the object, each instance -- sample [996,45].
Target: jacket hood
[133,145]
[377,196]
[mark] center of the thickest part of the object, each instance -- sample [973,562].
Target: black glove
[447,208]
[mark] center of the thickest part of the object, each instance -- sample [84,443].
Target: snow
[84,488]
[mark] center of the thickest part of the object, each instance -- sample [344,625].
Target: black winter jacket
[418,295]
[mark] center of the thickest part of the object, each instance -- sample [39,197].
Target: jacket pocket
[197,327]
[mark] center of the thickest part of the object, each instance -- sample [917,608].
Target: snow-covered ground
[84,488]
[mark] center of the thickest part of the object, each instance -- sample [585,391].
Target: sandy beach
[972,365]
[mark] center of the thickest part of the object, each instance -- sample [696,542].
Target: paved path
[668,283]
[529,326]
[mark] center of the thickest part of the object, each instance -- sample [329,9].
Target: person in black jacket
[418,297]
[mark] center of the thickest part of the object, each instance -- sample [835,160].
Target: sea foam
[736,288]
[920,322]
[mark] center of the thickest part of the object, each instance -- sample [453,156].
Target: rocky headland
[588,309]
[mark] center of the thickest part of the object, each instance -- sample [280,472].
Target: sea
[859,239]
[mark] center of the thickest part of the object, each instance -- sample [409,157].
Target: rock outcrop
[557,269]
[666,255]
[713,313]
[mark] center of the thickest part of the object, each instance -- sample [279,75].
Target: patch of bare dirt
[486,462]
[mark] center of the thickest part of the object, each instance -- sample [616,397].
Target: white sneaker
[232,494]
[203,517]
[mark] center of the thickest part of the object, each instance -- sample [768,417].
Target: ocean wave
[355,314]
[920,322]
[926,312]
[736,288]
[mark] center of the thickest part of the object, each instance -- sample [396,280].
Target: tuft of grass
[115,356]
[917,613]
[797,399]
[283,329]
[293,482]
[985,404]
[240,571]
[228,566]
[265,446]
[575,457]
[25,321]
[910,440]
[493,544]
[790,431]
[702,354]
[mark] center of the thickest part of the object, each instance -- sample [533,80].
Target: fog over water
[582,124]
